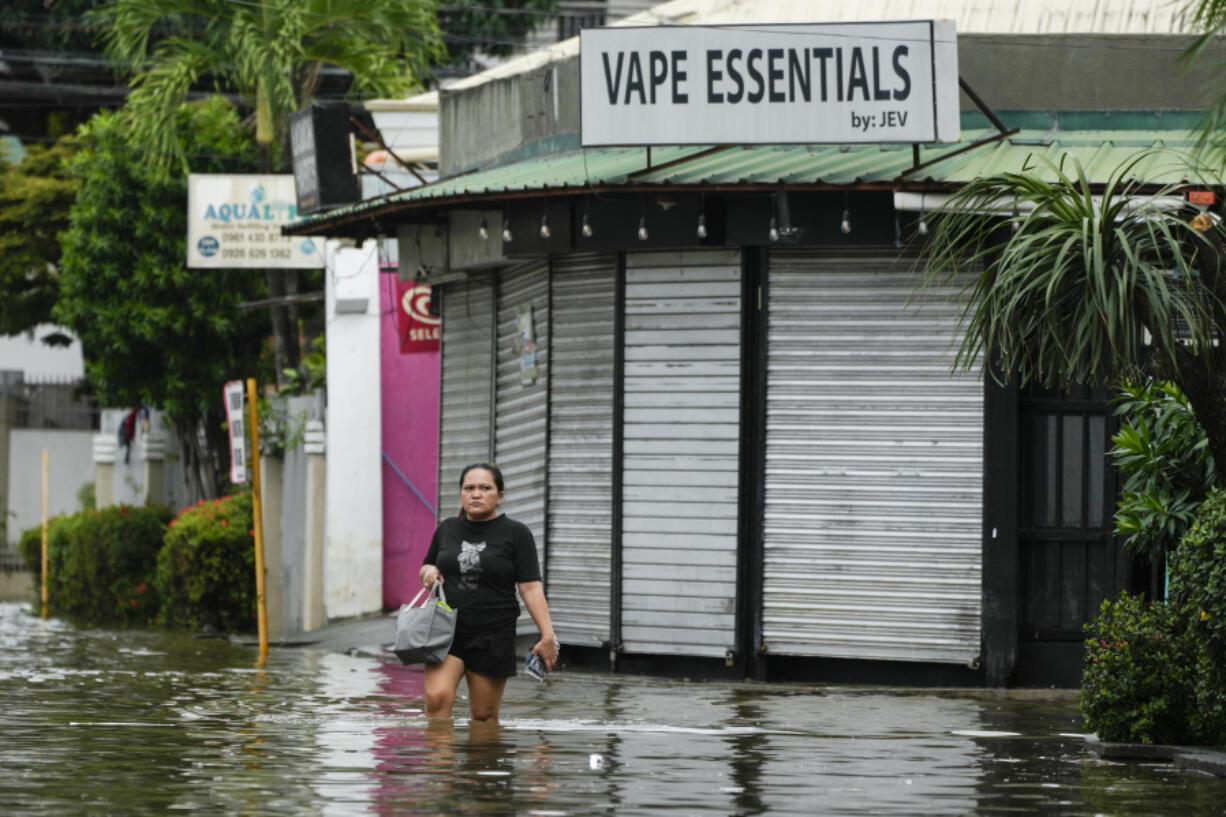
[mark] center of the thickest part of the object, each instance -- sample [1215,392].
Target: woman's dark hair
[493,469]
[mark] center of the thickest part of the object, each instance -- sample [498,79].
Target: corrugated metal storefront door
[521,405]
[681,445]
[581,366]
[874,467]
[466,372]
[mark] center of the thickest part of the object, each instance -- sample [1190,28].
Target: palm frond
[1072,293]
[261,51]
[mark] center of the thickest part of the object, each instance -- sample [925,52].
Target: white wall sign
[770,84]
[233,393]
[235,221]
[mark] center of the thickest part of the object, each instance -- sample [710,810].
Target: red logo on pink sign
[419,330]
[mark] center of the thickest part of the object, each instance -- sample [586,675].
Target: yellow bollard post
[261,602]
[46,473]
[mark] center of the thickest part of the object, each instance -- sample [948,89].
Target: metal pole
[46,472]
[261,601]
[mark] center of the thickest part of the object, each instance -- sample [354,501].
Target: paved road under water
[96,722]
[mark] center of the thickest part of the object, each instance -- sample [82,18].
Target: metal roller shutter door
[582,318]
[874,465]
[521,409]
[466,371]
[680,463]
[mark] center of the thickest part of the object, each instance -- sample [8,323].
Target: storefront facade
[733,454]
[720,383]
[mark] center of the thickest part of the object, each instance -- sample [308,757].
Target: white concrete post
[272,486]
[353,544]
[104,470]
[153,451]
[313,568]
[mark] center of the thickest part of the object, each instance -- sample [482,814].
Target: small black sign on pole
[324,157]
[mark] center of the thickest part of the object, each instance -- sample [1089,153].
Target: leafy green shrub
[87,497]
[101,563]
[30,546]
[1163,456]
[1198,599]
[1136,684]
[206,570]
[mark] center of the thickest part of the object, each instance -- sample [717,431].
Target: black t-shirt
[481,563]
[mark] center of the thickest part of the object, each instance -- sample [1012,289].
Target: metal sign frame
[803,83]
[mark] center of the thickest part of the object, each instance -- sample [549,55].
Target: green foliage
[470,26]
[312,371]
[154,332]
[35,196]
[138,565]
[101,563]
[206,571]
[270,54]
[1156,672]
[30,543]
[1198,600]
[87,497]
[1069,295]
[1163,456]
[1090,285]
[280,431]
[1209,16]
[1135,685]
[55,26]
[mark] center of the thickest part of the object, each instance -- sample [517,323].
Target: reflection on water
[149,723]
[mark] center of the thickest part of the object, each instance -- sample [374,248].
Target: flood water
[97,722]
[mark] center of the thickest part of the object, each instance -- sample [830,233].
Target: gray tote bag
[423,634]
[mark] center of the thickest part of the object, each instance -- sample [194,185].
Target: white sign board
[770,84]
[235,222]
[235,422]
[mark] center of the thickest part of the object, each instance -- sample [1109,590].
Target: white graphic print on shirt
[470,564]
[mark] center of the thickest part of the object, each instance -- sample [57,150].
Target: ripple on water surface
[151,723]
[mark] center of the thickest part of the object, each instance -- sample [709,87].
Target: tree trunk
[295,325]
[189,444]
[284,336]
[284,333]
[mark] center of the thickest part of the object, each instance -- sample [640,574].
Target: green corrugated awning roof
[1099,152]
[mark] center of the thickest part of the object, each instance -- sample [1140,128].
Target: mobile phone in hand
[534,665]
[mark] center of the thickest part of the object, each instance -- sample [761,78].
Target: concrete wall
[8,412]
[135,467]
[353,538]
[16,582]
[293,498]
[17,585]
[479,124]
[26,352]
[293,519]
[410,441]
[538,111]
[71,466]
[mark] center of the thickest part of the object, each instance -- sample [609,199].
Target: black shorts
[490,654]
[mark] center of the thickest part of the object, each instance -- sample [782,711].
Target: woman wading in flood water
[480,556]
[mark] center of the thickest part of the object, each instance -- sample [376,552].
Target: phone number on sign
[255,238]
[255,252]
